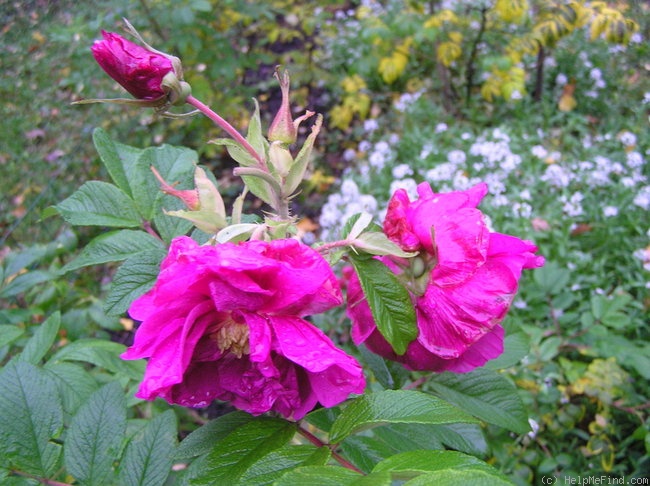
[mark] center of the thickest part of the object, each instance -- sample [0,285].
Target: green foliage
[394,406]
[389,302]
[577,337]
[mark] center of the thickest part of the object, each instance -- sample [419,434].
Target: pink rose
[461,284]
[226,322]
[136,69]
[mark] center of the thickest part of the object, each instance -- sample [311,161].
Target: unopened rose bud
[204,203]
[149,75]
[282,128]
[136,69]
[190,197]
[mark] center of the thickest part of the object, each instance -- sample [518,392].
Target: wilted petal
[333,374]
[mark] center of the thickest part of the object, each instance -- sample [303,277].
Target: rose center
[232,336]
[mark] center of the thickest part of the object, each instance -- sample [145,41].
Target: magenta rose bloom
[137,69]
[225,322]
[461,283]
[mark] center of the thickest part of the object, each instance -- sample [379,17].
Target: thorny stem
[319,443]
[333,244]
[228,128]
[149,229]
[48,482]
[417,383]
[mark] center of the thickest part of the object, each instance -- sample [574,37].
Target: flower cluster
[462,282]
[227,320]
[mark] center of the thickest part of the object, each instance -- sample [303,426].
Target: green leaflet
[42,340]
[232,457]
[114,246]
[135,277]
[389,302]
[117,158]
[98,203]
[485,394]
[95,436]
[148,458]
[394,406]
[31,416]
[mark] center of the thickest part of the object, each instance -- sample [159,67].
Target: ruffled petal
[452,319]
[397,226]
[304,283]
[170,346]
[461,242]
[333,374]
[489,347]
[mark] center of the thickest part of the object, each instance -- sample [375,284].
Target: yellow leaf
[353,84]
[490,89]
[456,37]
[513,11]
[341,117]
[391,68]
[442,17]
[598,26]
[448,52]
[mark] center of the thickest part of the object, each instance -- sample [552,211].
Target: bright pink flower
[472,278]
[225,322]
[139,70]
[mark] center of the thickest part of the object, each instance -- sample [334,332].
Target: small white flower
[642,198]
[520,304]
[539,151]
[595,74]
[441,127]
[636,38]
[523,210]
[561,79]
[634,160]
[609,211]
[409,185]
[402,170]
[364,146]
[550,62]
[427,150]
[456,157]
[500,200]
[349,155]
[349,189]
[377,160]
[556,176]
[370,125]
[627,138]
